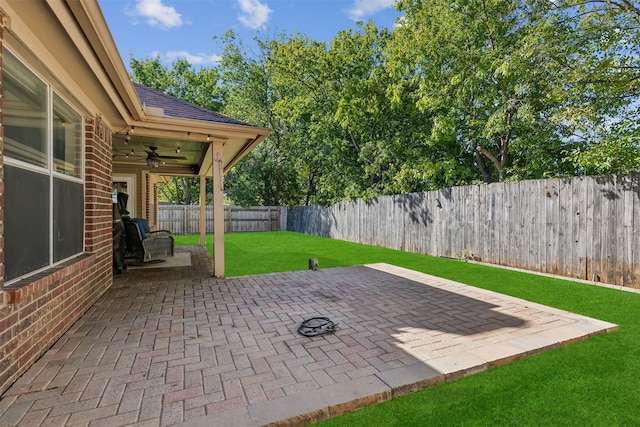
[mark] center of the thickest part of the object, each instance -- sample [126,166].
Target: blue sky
[184,28]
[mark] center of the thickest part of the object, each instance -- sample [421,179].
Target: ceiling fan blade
[123,158]
[158,156]
[154,155]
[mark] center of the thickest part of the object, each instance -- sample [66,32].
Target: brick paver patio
[170,346]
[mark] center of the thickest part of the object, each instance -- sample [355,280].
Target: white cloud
[400,22]
[364,8]
[157,14]
[253,13]
[192,58]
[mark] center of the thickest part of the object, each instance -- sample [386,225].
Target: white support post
[203,210]
[218,209]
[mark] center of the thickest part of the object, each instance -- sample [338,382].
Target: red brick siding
[151,208]
[156,220]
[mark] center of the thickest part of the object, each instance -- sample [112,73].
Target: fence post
[185,220]
[283,218]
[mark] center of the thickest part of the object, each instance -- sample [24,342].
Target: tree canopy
[459,92]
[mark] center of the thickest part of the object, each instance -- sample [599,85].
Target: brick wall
[37,311]
[151,207]
[148,195]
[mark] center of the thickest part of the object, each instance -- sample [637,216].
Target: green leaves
[617,151]
[184,191]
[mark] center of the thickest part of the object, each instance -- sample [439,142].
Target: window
[44,188]
[67,138]
[25,113]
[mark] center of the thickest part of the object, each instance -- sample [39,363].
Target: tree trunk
[486,175]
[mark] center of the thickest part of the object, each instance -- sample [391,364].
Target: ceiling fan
[154,159]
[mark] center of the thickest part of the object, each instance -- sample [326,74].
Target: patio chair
[145,246]
[146,230]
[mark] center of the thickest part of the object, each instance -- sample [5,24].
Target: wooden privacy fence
[185,219]
[583,227]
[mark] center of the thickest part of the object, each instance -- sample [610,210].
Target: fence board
[528,207]
[549,250]
[583,227]
[474,208]
[618,238]
[579,233]
[564,228]
[625,238]
[593,234]
[634,233]
[519,230]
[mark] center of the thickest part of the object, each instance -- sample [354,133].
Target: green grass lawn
[595,382]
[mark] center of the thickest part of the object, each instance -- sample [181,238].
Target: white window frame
[49,170]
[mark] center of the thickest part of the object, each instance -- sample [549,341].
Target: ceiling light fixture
[153,162]
[127,137]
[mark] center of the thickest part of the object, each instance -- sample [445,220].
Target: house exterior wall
[36,311]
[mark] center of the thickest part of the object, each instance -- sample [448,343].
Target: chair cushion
[143,225]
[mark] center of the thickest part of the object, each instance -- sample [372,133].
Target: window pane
[67,138]
[68,218]
[25,112]
[26,221]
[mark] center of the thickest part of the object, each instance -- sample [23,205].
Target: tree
[182,190]
[617,151]
[266,176]
[600,83]
[181,81]
[477,71]
[350,140]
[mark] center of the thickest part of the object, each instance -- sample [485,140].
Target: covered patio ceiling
[178,152]
[175,138]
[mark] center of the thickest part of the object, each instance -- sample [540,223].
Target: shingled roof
[180,109]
